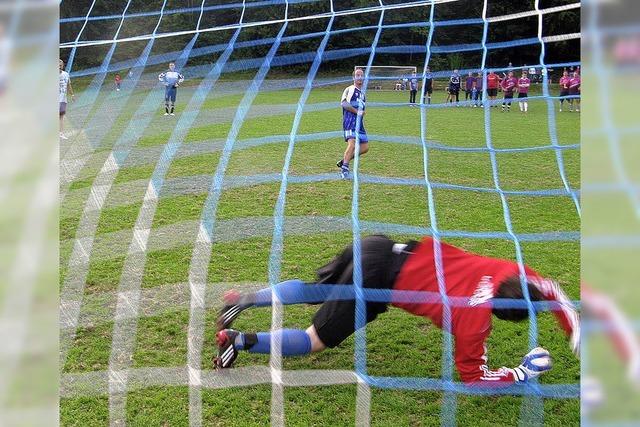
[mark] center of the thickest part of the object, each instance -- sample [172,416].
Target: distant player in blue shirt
[353,101]
[171,80]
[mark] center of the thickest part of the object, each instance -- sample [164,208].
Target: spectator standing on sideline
[468,88]
[413,85]
[454,87]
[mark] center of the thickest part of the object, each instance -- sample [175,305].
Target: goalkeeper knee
[533,365]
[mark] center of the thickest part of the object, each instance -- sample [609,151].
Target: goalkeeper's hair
[511,288]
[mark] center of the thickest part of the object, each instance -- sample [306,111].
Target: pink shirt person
[523,84]
[509,84]
[574,84]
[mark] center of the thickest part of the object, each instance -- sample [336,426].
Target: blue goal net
[210,41]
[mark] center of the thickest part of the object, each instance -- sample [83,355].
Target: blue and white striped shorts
[351,134]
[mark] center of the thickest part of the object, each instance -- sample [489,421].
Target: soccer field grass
[317,227]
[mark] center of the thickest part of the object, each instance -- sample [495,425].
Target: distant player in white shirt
[171,80]
[65,86]
[413,85]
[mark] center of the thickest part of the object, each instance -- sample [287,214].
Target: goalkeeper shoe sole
[228,314]
[227,352]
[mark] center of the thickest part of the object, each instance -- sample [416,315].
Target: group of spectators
[506,82]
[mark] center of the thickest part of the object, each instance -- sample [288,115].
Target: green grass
[162,340]
[398,344]
[84,411]
[91,349]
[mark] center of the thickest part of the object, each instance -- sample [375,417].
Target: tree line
[467,34]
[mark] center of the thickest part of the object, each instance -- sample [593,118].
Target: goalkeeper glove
[533,365]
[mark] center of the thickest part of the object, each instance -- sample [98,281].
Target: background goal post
[391,77]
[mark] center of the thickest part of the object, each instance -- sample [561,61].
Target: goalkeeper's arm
[471,362]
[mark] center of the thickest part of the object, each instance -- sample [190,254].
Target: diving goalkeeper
[479,282]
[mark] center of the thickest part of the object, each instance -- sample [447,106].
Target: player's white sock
[521,106]
[526,107]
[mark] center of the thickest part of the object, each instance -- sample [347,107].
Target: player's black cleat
[228,314]
[233,306]
[227,352]
[339,163]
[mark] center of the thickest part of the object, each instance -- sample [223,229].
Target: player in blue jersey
[352,102]
[171,80]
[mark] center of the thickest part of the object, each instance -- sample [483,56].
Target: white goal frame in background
[384,81]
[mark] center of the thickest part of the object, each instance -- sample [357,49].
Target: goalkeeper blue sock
[295,342]
[289,292]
